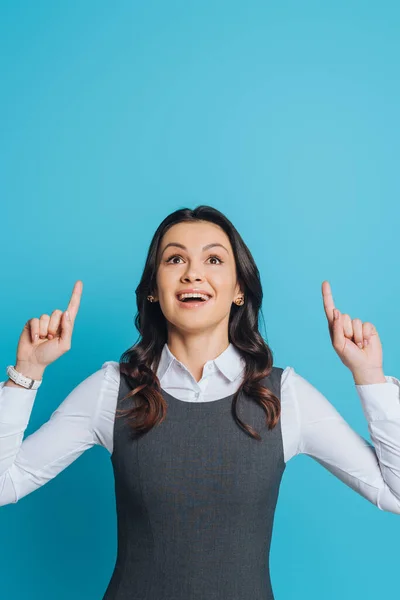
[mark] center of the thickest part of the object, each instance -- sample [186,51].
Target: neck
[194,350]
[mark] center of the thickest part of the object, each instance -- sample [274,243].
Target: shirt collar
[230,362]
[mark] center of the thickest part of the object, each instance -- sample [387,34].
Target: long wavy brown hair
[140,362]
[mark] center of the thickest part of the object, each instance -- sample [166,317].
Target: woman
[198,422]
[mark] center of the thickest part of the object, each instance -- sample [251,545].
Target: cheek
[166,282]
[223,285]
[221,276]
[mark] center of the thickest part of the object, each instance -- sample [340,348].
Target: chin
[192,323]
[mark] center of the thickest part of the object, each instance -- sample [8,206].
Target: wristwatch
[26,382]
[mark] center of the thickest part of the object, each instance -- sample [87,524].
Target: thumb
[66,327]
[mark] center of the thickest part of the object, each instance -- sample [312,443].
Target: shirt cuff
[15,405]
[380,401]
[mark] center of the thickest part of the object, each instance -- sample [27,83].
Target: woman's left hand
[356,343]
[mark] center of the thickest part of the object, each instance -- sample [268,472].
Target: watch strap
[20,379]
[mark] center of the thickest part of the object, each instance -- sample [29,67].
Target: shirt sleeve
[372,470]
[83,419]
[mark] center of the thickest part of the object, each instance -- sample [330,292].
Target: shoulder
[299,391]
[303,404]
[290,417]
[288,376]
[283,375]
[110,371]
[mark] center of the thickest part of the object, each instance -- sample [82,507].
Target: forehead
[195,235]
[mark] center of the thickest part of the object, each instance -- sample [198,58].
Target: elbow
[387,501]
[395,510]
[8,494]
[4,501]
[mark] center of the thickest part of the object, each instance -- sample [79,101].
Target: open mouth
[193,301]
[189,299]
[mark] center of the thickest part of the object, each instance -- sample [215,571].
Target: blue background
[284,115]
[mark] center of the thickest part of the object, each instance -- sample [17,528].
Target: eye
[218,258]
[171,257]
[168,260]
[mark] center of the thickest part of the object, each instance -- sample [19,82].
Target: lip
[192,305]
[193,290]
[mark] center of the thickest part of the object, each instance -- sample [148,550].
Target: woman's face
[198,256]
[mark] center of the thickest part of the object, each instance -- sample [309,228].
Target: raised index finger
[329,304]
[75,300]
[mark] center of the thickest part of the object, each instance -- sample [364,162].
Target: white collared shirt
[310,425]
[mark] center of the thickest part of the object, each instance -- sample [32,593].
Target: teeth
[194,295]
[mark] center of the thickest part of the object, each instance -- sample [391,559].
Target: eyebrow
[207,247]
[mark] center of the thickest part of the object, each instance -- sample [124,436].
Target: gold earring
[239,301]
[150,298]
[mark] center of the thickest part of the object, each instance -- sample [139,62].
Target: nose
[192,274]
[190,277]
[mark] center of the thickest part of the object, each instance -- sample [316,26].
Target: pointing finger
[329,304]
[73,305]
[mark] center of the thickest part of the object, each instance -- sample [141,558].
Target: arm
[373,471]
[27,464]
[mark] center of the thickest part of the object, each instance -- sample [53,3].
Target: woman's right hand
[44,340]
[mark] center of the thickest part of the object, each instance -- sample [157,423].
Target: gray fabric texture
[195,501]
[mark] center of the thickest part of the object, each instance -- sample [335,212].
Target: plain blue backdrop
[284,115]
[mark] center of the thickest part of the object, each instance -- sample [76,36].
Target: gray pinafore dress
[195,501]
